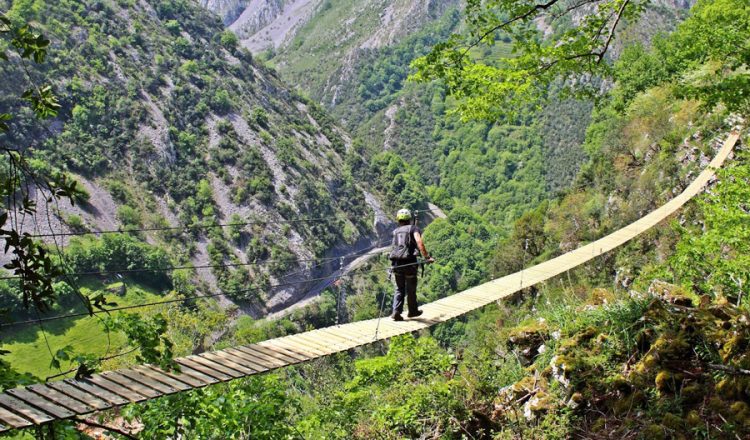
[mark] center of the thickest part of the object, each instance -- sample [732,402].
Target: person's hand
[429,260]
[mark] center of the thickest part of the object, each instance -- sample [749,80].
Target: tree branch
[728,369]
[573,8]
[527,14]
[611,35]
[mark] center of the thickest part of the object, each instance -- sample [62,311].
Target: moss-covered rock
[672,294]
[601,296]
[673,422]
[527,341]
[664,381]
[693,419]
[654,432]
[692,393]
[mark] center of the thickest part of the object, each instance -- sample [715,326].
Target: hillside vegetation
[165,121]
[167,125]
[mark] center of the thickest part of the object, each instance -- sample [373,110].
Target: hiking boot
[397,317]
[415,314]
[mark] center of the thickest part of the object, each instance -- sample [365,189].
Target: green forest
[167,193]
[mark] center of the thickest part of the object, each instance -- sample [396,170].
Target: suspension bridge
[70,399]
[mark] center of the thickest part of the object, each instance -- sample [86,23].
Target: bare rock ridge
[270,23]
[228,10]
[264,24]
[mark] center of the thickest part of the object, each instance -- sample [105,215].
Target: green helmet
[403,214]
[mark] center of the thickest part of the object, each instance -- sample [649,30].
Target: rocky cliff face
[269,23]
[263,24]
[228,10]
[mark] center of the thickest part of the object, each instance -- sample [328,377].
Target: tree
[490,91]
[709,54]
[229,40]
[714,38]
[30,260]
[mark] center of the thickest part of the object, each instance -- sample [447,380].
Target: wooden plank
[101,393]
[254,359]
[276,348]
[22,408]
[115,388]
[37,401]
[186,371]
[326,338]
[304,344]
[167,378]
[52,394]
[13,420]
[232,362]
[442,308]
[218,376]
[399,326]
[348,335]
[214,365]
[456,302]
[181,376]
[277,356]
[308,353]
[328,347]
[364,331]
[385,333]
[439,310]
[459,304]
[126,382]
[301,346]
[88,399]
[471,302]
[208,367]
[141,378]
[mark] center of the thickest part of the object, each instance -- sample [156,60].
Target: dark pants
[406,286]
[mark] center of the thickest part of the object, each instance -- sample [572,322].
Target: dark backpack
[403,244]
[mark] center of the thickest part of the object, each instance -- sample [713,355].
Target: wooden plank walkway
[67,399]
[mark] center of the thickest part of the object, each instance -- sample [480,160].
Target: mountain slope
[167,122]
[353,57]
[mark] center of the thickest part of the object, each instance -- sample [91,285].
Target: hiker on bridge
[407,240]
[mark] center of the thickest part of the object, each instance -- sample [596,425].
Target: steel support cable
[190,298]
[207,266]
[198,226]
[176,228]
[170,268]
[194,297]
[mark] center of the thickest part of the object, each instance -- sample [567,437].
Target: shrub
[128,216]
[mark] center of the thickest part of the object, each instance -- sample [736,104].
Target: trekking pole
[380,315]
[523,267]
[382,305]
